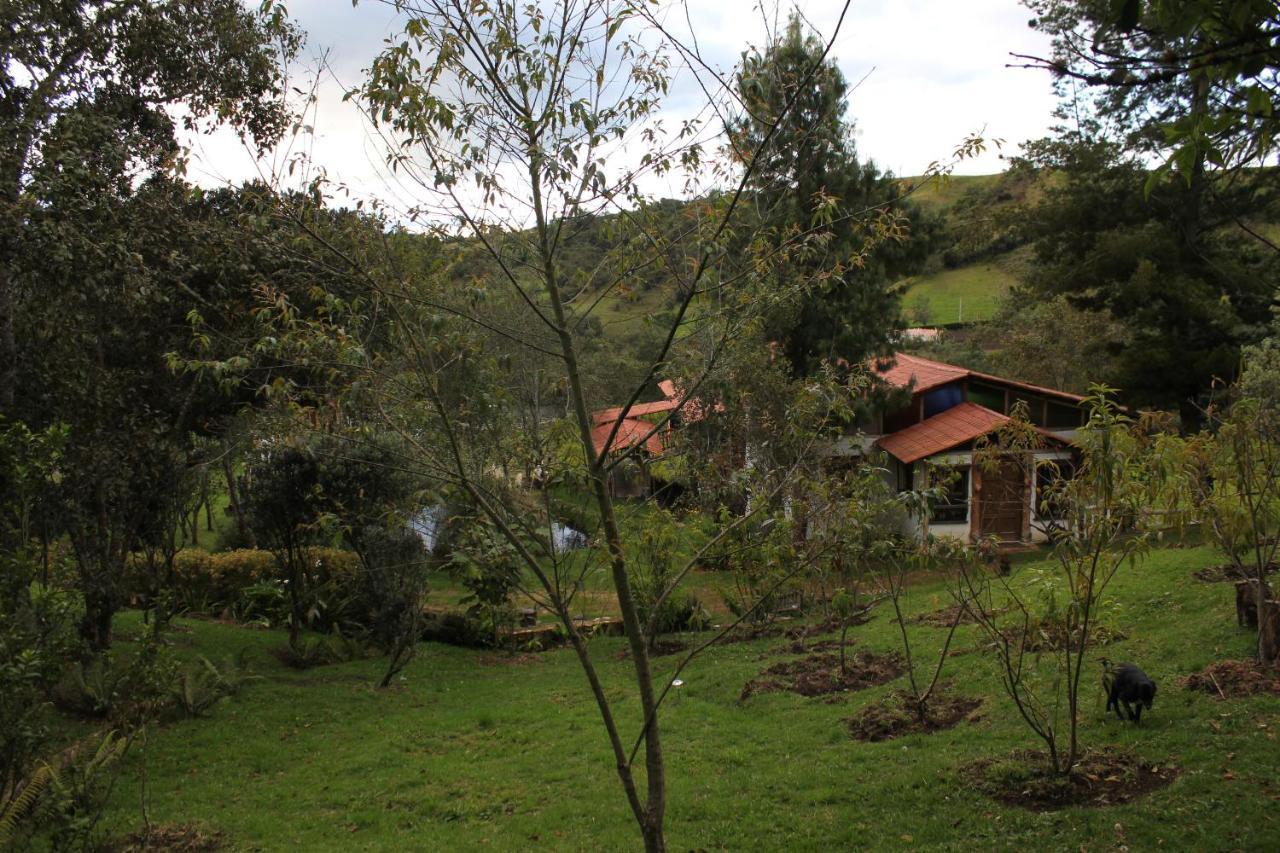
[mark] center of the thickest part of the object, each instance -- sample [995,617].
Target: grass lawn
[482,750]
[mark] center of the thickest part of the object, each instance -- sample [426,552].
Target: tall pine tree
[838,222]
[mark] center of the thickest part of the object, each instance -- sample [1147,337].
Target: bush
[456,629]
[247,584]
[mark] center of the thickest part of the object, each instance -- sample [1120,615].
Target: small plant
[203,684]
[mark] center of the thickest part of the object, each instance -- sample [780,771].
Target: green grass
[478,751]
[966,294]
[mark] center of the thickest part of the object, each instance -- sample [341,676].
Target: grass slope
[485,751]
[966,294]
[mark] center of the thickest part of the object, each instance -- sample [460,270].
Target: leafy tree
[284,504]
[1229,475]
[121,62]
[808,180]
[1053,343]
[1191,80]
[1187,299]
[1101,522]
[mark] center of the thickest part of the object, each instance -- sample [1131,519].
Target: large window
[1062,416]
[954,506]
[939,400]
[987,395]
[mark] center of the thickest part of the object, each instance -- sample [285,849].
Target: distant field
[961,295]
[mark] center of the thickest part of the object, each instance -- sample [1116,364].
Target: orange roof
[956,425]
[909,370]
[904,369]
[631,432]
[638,410]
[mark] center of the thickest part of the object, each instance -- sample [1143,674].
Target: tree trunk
[99,609]
[233,501]
[1269,632]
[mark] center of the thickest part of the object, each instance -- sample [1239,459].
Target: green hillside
[964,295]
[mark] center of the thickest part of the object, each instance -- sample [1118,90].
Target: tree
[1190,80]
[1230,477]
[1174,254]
[516,120]
[122,61]
[809,181]
[1187,299]
[1029,341]
[1101,521]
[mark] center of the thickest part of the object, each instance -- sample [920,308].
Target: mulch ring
[1226,572]
[894,715]
[1107,777]
[1226,679]
[819,674]
[945,617]
[180,837]
[791,631]
[801,647]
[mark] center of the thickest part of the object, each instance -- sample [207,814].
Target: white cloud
[935,72]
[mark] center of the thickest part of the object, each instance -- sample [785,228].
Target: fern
[23,805]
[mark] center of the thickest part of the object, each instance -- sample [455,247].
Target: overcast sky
[934,71]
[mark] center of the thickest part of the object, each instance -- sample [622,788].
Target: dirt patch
[1226,572]
[819,674]
[1103,778]
[790,630]
[1231,678]
[945,617]
[180,837]
[894,716]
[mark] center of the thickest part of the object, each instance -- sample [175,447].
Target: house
[949,409]
[642,433]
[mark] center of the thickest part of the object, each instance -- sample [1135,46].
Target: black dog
[1127,684]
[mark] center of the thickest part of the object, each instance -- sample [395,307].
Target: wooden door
[1002,502]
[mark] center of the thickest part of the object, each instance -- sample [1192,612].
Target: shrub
[203,684]
[248,585]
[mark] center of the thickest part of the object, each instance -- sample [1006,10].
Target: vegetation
[475,773]
[389,441]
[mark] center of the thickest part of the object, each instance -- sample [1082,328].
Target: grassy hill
[966,294]
[487,750]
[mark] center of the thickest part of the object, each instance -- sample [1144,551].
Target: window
[1035,407]
[987,395]
[906,476]
[940,399]
[1049,476]
[954,506]
[1062,416]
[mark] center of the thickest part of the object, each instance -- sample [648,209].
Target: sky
[928,73]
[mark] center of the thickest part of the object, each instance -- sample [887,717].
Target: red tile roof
[903,369]
[955,426]
[638,410]
[631,432]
